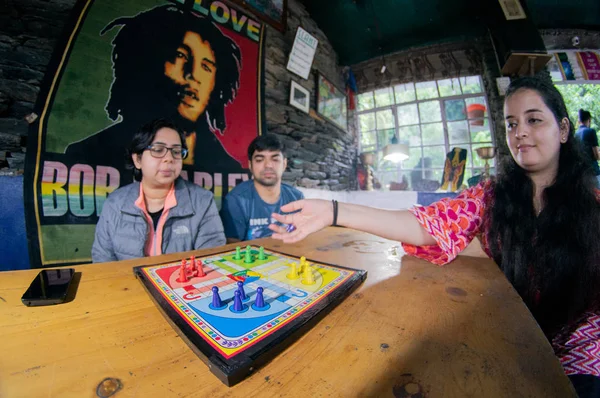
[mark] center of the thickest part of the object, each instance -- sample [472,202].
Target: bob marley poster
[118,66]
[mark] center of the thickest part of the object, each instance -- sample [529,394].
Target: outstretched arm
[313,215]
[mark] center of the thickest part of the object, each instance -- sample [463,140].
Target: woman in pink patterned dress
[539,220]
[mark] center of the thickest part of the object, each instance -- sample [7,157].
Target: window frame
[396,175]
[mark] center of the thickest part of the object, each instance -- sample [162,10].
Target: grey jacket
[123,229]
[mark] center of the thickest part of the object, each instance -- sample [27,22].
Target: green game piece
[238,254]
[261,253]
[248,253]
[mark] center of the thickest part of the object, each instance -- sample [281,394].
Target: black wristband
[335,212]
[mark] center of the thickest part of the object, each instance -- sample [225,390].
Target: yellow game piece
[302,262]
[308,278]
[293,272]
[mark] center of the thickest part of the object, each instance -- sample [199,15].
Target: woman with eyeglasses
[160,212]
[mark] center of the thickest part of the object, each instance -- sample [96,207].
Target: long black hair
[551,259]
[143,45]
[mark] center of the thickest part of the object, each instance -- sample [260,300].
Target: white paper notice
[502,83]
[303,53]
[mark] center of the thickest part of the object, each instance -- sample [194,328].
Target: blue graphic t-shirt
[246,216]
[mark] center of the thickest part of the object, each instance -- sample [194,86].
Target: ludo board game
[238,309]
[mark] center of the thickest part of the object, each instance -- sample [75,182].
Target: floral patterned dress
[453,223]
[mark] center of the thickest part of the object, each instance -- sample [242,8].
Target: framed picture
[299,97]
[512,9]
[273,12]
[331,103]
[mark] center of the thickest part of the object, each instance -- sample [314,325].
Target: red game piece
[182,272]
[200,268]
[193,267]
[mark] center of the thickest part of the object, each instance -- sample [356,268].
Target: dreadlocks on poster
[197,63]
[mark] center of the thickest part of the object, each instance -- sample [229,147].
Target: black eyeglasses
[160,151]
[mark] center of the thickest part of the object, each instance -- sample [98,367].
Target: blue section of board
[232,325]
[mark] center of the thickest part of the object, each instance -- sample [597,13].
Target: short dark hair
[584,116]
[266,142]
[144,137]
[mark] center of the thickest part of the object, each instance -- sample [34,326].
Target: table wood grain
[412,327]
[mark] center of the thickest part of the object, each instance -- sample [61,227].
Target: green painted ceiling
[364,29]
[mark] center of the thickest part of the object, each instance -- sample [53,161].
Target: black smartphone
[49,287]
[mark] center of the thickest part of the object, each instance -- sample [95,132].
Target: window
[431,118]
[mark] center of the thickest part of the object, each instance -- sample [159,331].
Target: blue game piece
[240,288]
[259,303]
[237,301]
[238,306]
[260,299]
[216,304]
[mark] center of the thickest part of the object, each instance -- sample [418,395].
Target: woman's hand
[313,216]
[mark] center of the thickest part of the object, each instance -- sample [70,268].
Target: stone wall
[320,155]
[28,32]
[491,71]
[562,39]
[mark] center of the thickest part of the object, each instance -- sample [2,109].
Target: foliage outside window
[581,96]
[431,118]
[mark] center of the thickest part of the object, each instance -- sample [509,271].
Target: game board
[239,308]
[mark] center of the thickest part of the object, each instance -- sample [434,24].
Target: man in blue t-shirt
[247,209]
[589,141]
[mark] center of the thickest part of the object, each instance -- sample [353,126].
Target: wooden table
[453,331]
